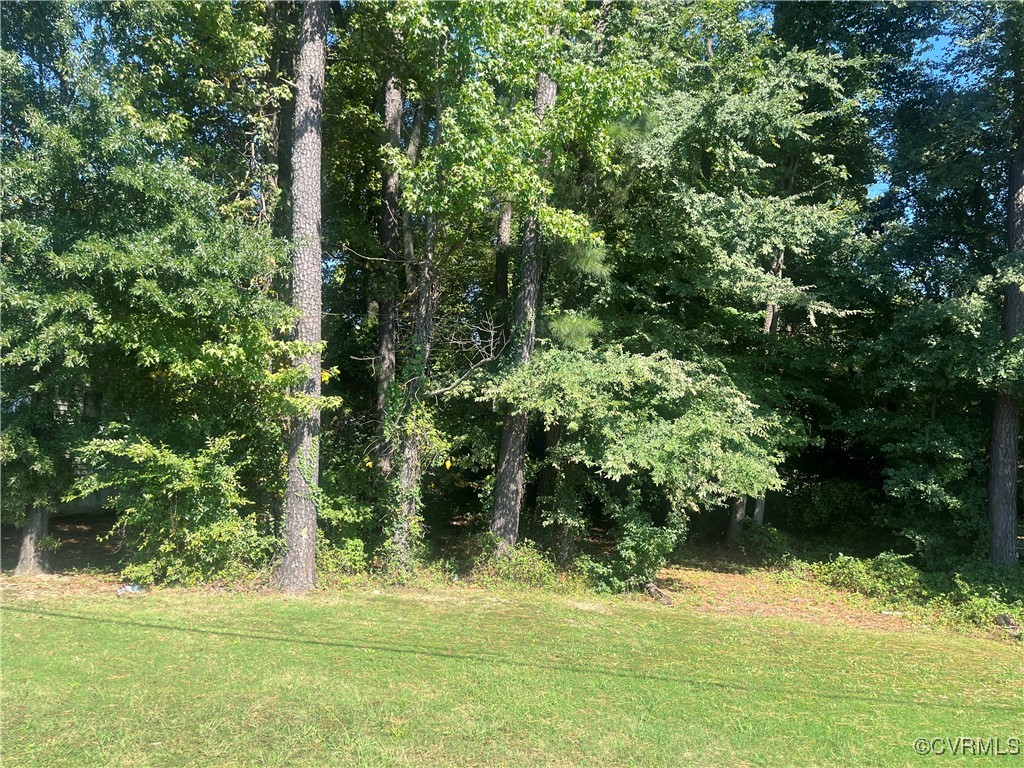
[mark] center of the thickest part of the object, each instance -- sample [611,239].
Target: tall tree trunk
[502,257]
[771,312]
[405,534]
[510,482]
[387,337]
[771,325]
[503,252]
[386,277]
[1005,443]
[279,119]
[297,572]
[412,152]
[423,281]
[31,559]
[737,514]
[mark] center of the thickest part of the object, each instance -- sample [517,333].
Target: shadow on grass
[719,559]
[588,669]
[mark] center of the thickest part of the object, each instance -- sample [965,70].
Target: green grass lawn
[177,678]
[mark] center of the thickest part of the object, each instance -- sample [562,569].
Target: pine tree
[297,571]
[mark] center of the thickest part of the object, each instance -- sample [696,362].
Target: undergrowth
[967,596]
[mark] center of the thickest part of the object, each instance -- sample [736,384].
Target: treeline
[298,285]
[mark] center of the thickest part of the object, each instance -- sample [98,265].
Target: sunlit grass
[475,678]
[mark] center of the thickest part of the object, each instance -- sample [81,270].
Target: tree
[131,284]
[509,481]
[1005,444]
[605,85]
[297,571]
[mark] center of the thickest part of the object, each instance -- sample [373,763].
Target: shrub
[342,557]
[182,514]
[967,603]
[345,518]
[886,576]
[523,565]
[767,546]
[972,598]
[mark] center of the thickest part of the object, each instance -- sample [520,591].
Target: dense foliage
[621,266]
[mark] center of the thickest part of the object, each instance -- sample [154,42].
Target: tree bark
[297,572]
[1002,480]
[412,152]
[31,559]
[279,119]
[1005,443]
[771,325]
[503,251]
[502,258]
[386,279]
[771,312]
[405,535]
[510,482]
[759,511]
[738,513]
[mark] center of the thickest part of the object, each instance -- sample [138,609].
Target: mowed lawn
[474,678]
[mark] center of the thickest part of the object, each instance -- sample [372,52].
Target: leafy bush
[346,517]
[182,514]
[643,439]
[340,557]
[979,602]
[972,598]
[1000,582]
[523,565]
[767,545]
[886,576]
[642,542]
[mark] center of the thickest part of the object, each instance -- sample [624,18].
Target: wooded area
[594,279]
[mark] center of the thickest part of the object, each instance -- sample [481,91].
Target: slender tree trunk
[281,116]
[771,312]
[771,325]
[409,497]
[297,572]
[504,248]
[548,480]
[738,513]
[1005,444]
[510,482]
[1002,480]
[424,281]
[387,340]
[759,511]
[386,278]
[412,152]
[405,534]
[31,559]
[501,261]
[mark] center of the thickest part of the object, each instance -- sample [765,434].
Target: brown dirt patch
[759,593]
